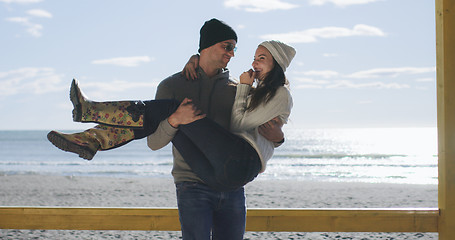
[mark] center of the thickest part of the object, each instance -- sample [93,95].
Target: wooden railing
[270,220]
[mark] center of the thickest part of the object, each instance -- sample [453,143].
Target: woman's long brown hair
[267,89]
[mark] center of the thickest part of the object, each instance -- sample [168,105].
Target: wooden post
[445,61]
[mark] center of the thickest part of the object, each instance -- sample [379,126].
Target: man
[204,211]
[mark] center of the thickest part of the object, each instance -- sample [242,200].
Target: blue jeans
[206,213]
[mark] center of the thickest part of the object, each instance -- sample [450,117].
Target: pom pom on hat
[281,52]
[213,32]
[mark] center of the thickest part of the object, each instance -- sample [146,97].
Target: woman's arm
[189,71]
[242,119]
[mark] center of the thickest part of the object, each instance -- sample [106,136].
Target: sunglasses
[230,47]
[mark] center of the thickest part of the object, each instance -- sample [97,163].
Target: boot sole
[68,146]
[77,108]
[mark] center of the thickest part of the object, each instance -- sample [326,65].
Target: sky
[359,63]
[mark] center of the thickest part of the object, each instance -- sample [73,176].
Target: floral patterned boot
[117,113]
[87,143]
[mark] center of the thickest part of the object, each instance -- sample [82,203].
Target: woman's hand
[189,71]
[186,113]
[247,77]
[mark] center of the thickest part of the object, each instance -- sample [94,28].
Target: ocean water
[376,155]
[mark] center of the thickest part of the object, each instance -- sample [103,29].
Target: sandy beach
[37,190]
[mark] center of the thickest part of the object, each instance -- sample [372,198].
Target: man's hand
[185,113]
[271,130]
[189,71]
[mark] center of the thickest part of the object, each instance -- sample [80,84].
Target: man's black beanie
[213,32]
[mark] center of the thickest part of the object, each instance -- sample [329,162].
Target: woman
[223,160]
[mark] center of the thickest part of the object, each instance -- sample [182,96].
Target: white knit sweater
[245,123]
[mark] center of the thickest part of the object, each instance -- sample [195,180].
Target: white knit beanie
[281,52]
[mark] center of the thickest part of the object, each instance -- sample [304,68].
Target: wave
[162,174]
[338,156]
[356,165]
[54,163]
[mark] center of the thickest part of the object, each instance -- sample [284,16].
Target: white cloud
[312,81]
[422,88]
[341,3]
[21,1]
[259,5]
[118,89]
[241,26]
[425,80]
[124,61]
[21,20]
[390,72]
[30,80]
[119,85]
[314,34]
[39,13]
[309,86]
[351,80]
[330,55]
[35,80]
[309,83]
[324,74]
[33,29]
[377,85]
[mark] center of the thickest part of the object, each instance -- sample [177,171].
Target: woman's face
[263,62]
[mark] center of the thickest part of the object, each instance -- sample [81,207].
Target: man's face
[222,52]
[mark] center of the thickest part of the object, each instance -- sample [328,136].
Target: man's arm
[271,131]
[165,132]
